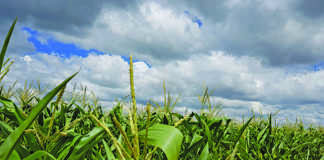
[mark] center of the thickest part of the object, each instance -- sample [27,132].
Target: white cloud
[238,82]
[155,31]
[27,59]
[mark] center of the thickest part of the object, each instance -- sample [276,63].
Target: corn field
[52,127]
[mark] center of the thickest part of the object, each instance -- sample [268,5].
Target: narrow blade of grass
[6,43]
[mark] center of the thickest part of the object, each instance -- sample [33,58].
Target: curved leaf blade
[12,109]
[204,154]
[168,138]
[6,43]
[8,146]
[108,151]
[14,156]
[87,142]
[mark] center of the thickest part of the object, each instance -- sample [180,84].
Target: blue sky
[194,19]
[256,55]
[318,66]
[64,50]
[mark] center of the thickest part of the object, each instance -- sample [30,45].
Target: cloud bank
[260,55]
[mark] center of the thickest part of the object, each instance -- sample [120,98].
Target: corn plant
[212,110]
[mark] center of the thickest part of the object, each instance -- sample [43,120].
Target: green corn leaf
[67,151]
[7,147]
[56,147]
[5,129]
[14,156]
[195,139]
[31,141]
[6,42]
[219,138]
[22,151]
[168,138]
[39,155]
[260,135]
[204,154]
[86,143]
[241,131]
[109,154]
[19,114]
[215,124]
[98,155]
[193,147]
[243,154]
[12,109]
[207,131]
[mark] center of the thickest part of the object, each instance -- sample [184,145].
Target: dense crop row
[49,128]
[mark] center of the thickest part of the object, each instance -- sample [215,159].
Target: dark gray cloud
[277,35]
[311,9]
[215,10]
[67,17]
[272,31]
[70,17]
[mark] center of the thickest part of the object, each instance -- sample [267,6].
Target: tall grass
[75,129]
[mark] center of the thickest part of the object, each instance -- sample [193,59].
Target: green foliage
[7,147]
[74,128]
[168,138]
[39,155]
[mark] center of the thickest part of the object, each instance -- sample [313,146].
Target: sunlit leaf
[168,138]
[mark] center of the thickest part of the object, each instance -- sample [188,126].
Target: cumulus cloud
[256,55]
[154,33]
[279,32]
[160,31]
[240,84]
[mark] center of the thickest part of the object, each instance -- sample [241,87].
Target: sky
[255,55]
